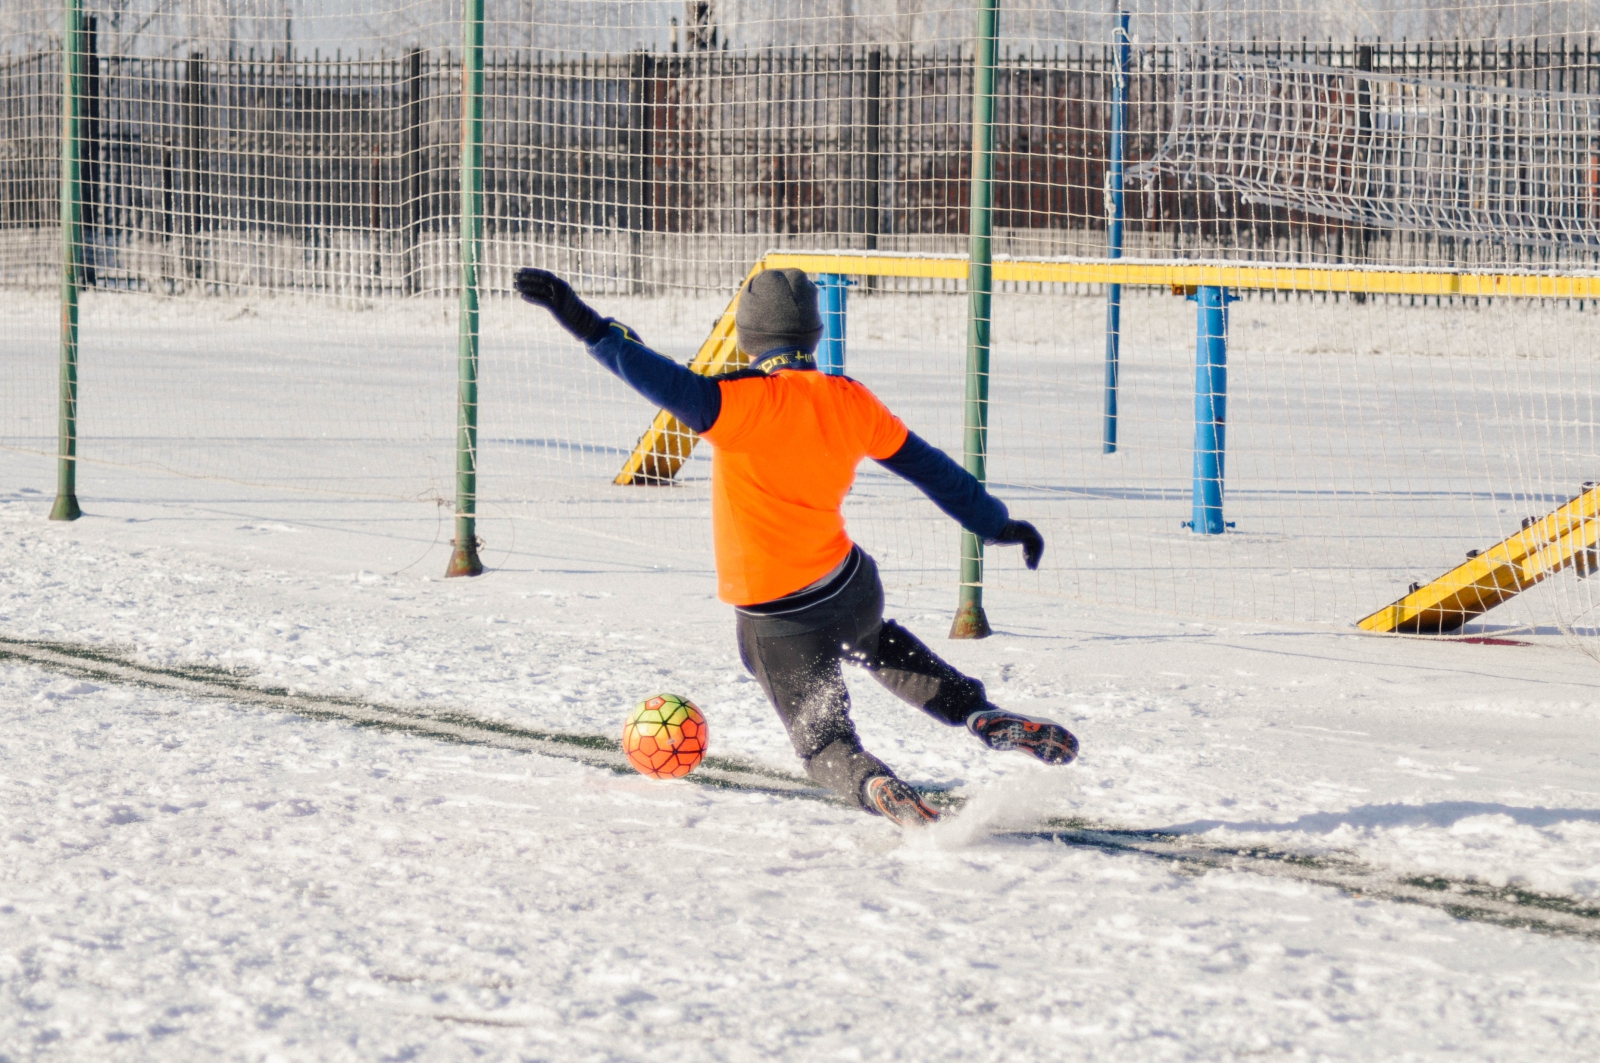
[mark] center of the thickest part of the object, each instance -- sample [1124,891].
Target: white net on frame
[1454,159]
[1371,443]
[272,236]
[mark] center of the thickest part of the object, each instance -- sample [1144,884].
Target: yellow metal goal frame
[1567,537]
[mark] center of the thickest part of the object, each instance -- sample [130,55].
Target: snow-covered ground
[194,877]
[1367,446]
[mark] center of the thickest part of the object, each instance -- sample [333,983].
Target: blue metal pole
[1114,214]
[1210,408]
[830,352]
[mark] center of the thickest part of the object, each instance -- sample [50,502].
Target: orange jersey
[786,451]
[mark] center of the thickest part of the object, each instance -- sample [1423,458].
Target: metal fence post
[464,557]
[66,502]
[637,209]
[1210,409]
[1114,213]
[190,173]
[411,217]
[970,621]
[1362,234]
[874,145]
[91,212]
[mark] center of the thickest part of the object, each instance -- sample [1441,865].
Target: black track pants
[799,670]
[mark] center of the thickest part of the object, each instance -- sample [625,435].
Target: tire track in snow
[1507,906]
[199,681]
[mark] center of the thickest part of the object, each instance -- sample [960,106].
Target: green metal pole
[970,622]
[464,557]
[66,504]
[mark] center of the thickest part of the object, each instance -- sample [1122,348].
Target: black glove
[543,288]
[1020,531]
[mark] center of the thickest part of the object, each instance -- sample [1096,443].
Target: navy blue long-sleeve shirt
[697,401]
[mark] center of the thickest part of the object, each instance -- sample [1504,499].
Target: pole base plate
[65,508]
[464,559]
[970,623]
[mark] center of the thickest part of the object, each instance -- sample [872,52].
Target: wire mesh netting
[1395,149]
[271,232]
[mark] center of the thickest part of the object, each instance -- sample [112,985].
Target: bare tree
[223,27]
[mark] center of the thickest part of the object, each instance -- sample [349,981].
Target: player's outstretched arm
[957,492]
[693,399]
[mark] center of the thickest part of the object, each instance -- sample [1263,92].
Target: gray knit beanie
[778,309]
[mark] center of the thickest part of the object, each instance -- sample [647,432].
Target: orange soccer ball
[665,736]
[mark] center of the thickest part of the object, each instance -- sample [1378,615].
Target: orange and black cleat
[999,729]
[897,802]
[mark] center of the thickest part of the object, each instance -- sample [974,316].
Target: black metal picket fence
[319,174]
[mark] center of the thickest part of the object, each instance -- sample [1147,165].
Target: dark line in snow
[1507,906]
[1467,899]
[201,681]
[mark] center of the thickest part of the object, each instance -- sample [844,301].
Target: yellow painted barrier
[870,264]
[1195,274]
[1545,547]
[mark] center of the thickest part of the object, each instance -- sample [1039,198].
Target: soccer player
[787,440]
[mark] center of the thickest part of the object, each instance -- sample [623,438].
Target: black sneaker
[897,802]
[999,729]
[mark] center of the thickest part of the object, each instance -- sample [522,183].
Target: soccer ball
[665,736]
